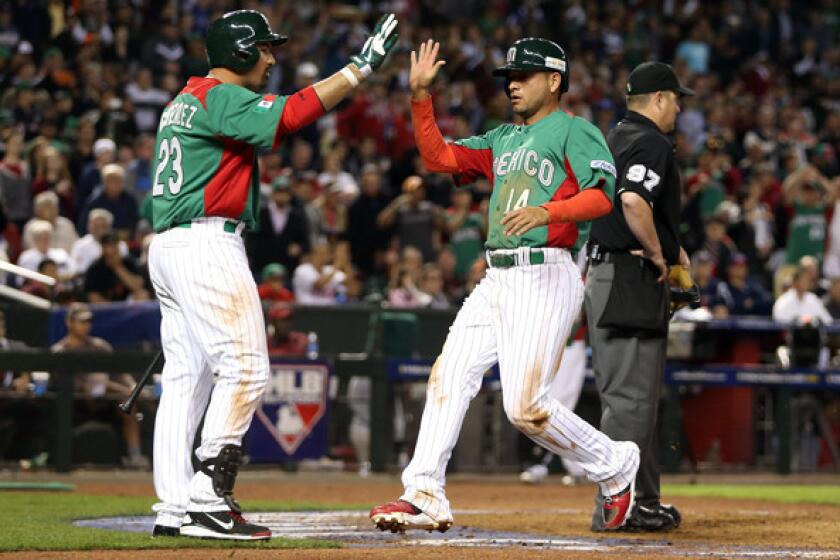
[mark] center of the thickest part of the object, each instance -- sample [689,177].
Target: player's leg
[186,386]
[224,317]
[537,308]
[566,389]
[469,351]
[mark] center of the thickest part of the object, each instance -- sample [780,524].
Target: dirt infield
[501,503]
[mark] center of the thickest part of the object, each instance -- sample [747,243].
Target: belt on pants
[229,226]
[599,255]
[507,260]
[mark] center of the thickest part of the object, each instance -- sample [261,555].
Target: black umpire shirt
[646,165]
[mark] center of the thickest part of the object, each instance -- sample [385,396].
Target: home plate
[354,529]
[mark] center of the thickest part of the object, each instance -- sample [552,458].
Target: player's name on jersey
[525,160]
[180,114]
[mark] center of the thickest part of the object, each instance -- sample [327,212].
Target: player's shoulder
[198,87]
[582,126]
[644,137]
[230,91]
[500,130]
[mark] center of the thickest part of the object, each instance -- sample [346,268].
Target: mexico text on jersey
[552,159]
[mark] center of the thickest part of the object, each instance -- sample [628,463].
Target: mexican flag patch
[265,104]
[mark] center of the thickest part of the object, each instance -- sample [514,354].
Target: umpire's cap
[649,77]
[233,38]
[536,55]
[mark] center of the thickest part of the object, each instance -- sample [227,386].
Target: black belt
[598,255]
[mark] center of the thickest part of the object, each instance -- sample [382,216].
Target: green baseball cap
[273,269]
[535,54]
[281,182]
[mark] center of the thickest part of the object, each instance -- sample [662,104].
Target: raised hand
[378,45]
[424,67]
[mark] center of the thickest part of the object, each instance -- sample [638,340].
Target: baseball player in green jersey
[205,194]
[551,175]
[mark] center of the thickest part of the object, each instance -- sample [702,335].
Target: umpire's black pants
[629,374]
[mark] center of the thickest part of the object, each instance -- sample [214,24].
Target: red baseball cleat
[616,508]
[401,515]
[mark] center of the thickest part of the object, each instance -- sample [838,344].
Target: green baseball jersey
[466,243]
[530,165]
[205,162]
[807,233]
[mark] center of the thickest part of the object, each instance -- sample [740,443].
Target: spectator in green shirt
[808,193]
[467,230]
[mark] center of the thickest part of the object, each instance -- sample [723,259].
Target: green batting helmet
[536,54]
[233,38]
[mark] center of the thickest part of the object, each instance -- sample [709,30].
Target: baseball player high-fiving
[205,193]
[551,175]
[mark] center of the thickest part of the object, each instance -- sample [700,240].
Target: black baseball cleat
[164,531]
[227,525]
[656,518]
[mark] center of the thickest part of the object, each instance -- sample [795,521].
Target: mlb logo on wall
[291,413]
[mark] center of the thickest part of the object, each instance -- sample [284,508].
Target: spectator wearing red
[53,174]
[282,339]
[60,293]
[273,286]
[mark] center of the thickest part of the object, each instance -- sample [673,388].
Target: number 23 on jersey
[169,151]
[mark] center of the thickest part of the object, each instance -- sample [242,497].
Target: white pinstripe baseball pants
[212,327]
[521,317]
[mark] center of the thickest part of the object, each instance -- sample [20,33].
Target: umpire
[627,295]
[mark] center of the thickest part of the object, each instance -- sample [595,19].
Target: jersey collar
[548,118]
[639,118]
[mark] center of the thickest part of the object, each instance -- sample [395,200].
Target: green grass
[812,494]
[39,521]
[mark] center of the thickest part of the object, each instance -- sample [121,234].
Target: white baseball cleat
[400,516]
[534,474]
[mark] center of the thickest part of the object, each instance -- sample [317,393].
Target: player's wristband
[350,76]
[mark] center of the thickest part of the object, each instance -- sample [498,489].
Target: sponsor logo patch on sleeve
[604,165]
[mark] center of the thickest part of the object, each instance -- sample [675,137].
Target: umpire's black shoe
[164,531]
[673,512]
[652,519]
[222,525]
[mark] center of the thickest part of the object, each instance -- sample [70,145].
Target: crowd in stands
[349,213]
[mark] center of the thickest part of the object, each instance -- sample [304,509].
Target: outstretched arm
[437,155]
[308,105]
[372,56]
[469,158]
